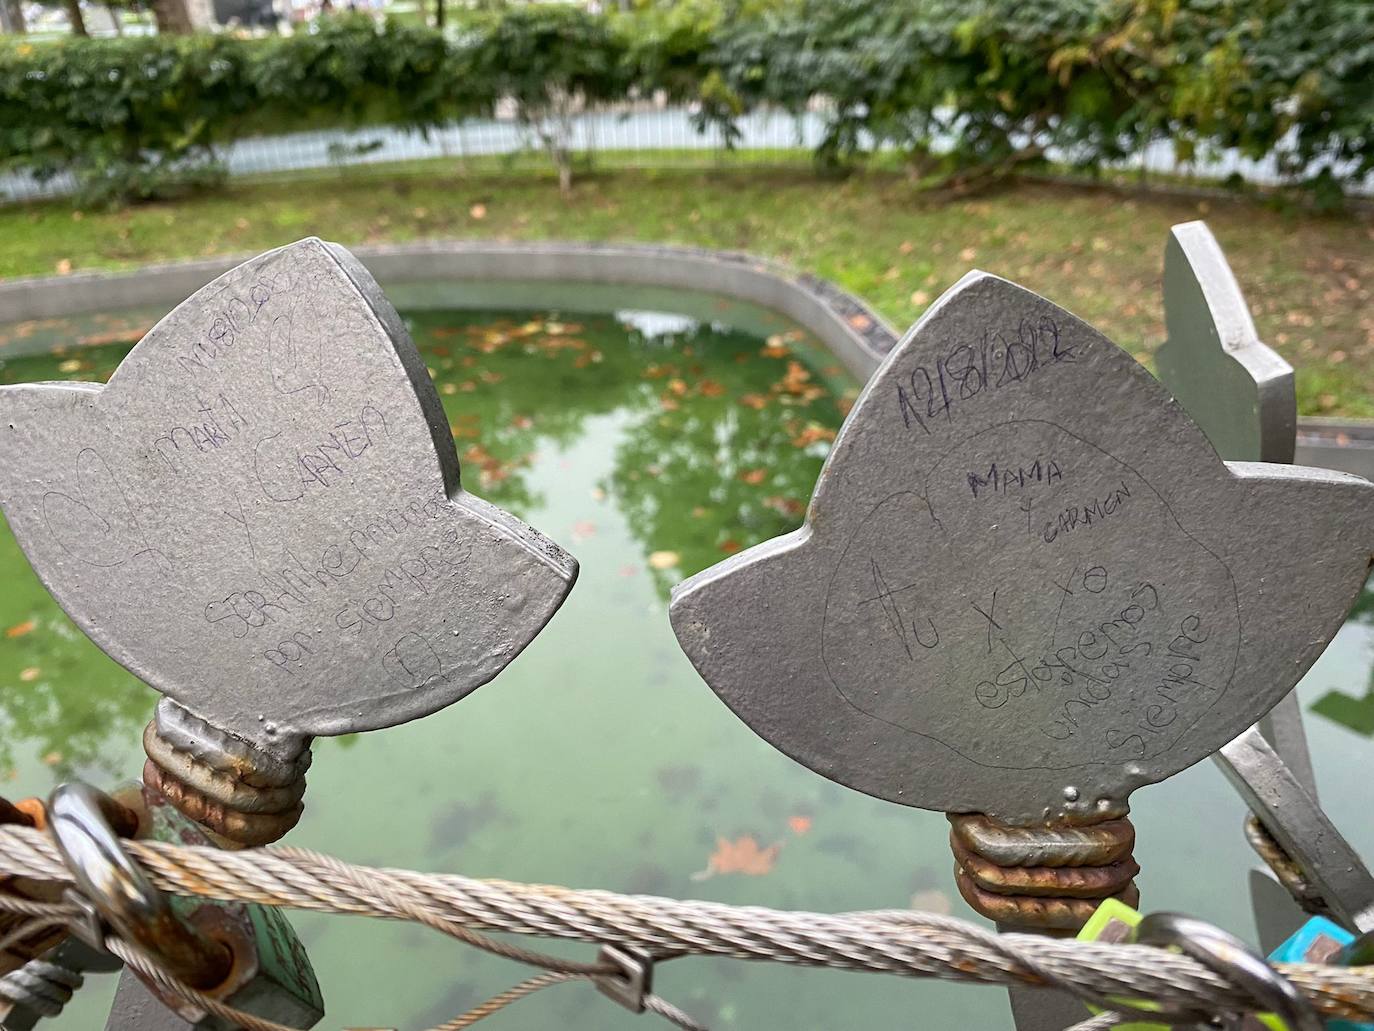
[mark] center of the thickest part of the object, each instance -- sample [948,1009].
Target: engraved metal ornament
[260,515]
[1235,387]
[1026,584]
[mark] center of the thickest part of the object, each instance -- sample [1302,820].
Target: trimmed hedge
[961,87]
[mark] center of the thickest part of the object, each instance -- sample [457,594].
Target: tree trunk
[13,17]
[114,17]
[74,16]
[172,17]
[439,14]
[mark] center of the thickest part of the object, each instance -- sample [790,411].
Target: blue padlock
[1322,941]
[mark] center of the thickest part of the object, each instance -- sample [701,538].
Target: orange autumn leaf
[811,434]
[794,380]
[753,477]
[743,856]
[730,546]
[20,629]
[799,824]
[755,401]
[860,322]
[710,388]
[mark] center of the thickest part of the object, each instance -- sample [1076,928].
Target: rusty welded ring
[1037,912]
[1235,961]
[233,828]
[224,753]
[225,786]
[1278,860]
[1084,882]
[1098,844]
[121,894]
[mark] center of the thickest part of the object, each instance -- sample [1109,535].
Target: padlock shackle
[121,893]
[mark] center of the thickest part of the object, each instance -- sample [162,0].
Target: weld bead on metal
[242,793]
[1048,878]
[1284,867]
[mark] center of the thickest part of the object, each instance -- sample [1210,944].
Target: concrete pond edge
[844,323]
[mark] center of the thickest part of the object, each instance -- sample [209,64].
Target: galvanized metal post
[1241,393]
[1026,586]
[271,474]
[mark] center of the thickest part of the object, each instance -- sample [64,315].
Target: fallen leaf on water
[64,267]
[920,298]
[811,434]
[29,674]
[628,571]
[794,380]
[784,506]
[74,365]
[598,494]
[932,900]
[755,401]
[743,855]
[677,386]
[799,824]
[583,529]
[20,629]
[730,546]
[52,758]
[664,559]
[478,211]
[710,388]
[753,476]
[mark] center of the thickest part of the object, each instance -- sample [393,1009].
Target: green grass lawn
[1095,251]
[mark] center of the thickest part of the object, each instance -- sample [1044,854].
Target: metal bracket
[635,980]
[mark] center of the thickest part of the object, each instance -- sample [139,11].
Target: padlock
[1115,921]
[1320,940]
[245,956]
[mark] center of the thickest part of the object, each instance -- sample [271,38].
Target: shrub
[962,88]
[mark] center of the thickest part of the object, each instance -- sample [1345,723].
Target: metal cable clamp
[635,980]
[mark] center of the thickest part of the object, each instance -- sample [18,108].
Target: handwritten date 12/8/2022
[966,370]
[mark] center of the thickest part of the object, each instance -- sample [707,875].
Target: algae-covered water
[651,444]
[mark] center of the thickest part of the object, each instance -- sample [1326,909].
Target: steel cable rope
[898,941]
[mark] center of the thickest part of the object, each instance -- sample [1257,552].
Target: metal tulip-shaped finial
[1026,584]
[261,516]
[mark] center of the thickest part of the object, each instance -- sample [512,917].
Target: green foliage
[963,89]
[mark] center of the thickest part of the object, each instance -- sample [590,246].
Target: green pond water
[651,445]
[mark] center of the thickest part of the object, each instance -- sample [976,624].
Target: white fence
[650,136]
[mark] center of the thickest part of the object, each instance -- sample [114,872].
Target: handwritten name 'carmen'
[1095,509]
[285,471]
